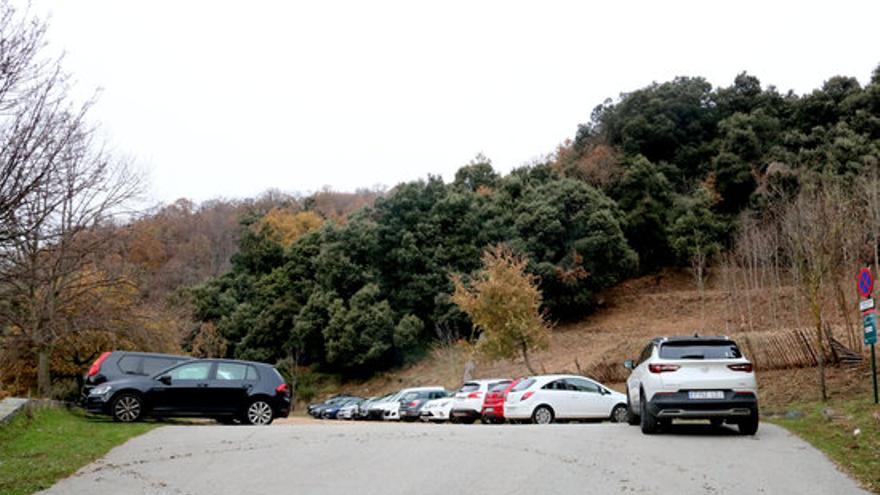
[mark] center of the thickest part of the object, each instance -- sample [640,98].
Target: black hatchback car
[223,389]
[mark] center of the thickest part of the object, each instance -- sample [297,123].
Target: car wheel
[619,414]
[127,408]
[631,417]
[543,415]
[749,426]
[647,421]
[259,413]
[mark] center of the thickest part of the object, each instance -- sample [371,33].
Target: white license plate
[705,394]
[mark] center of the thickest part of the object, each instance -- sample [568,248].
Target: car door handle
[202,385]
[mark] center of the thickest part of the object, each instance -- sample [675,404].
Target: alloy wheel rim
[259,413]
[128,409]
[620,414]
[542,417]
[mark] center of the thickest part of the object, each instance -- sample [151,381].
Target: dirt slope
[665,304]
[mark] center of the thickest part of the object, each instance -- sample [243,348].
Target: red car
[493,404]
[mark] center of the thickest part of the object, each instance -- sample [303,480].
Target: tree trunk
[525,353]
[44,381]
[817,318]
[843,307]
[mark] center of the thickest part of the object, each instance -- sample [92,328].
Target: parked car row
[703,378]
[539,399]
[131,385]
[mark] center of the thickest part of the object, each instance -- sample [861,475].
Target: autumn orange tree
[286,226]
[504,304]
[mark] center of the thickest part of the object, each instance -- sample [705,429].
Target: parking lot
[305,456]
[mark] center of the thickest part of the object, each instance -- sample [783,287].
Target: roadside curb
[11,407]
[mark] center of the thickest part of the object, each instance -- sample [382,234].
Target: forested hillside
[665,175]
[675,174]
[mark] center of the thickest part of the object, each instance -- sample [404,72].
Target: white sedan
[544,399]
[437,410]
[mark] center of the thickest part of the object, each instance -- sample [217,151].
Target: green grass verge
[40,448]
[858,455]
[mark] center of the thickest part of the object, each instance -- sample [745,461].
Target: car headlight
[100,390]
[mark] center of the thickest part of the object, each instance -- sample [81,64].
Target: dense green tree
[645,196]
[360,334]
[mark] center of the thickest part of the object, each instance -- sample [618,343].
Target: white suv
[692,378]
[467,405]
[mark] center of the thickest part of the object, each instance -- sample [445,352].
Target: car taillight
[526,395]
[96,366]
[281,389]
[474,395]
[663,368]
[746,367]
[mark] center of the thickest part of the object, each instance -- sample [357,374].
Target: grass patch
[858,455]
[40,448]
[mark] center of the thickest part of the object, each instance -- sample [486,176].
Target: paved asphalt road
[391,459]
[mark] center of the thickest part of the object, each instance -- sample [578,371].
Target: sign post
[865,284]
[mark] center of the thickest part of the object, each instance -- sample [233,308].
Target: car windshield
[523,385]
[721,349]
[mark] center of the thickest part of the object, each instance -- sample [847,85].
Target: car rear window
[523,385]
[469,387]
[498,386]
[722,349]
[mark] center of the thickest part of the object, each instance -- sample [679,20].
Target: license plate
[490,409]
[705,394]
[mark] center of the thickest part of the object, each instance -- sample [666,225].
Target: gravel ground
[390,459]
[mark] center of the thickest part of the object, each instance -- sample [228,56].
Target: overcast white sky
[231,98]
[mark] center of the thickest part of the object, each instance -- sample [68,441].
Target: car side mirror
[628,364]
[166,379]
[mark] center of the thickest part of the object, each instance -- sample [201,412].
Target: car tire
[127,407]
[749,426]
[647,421]
[632,418]
[259,413]
[542,415]
[620,414]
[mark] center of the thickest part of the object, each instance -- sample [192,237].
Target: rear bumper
[410,413]
[464,414]
[496,412]
[678,405]
[282,410]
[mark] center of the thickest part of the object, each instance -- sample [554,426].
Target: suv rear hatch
[702,364]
